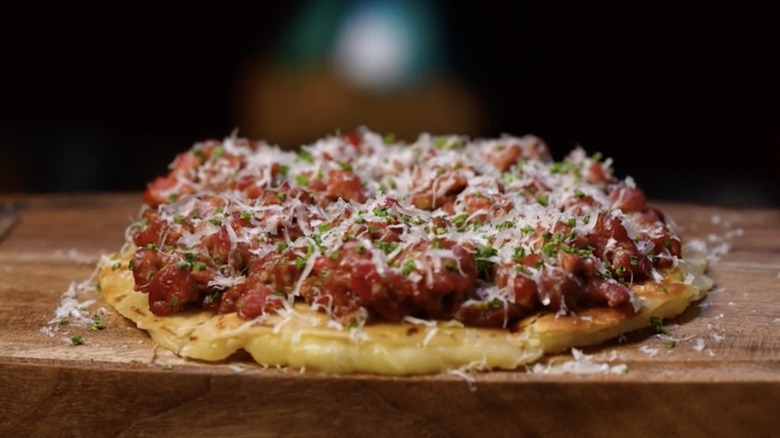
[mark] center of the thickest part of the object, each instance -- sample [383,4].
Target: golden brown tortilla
[304,339]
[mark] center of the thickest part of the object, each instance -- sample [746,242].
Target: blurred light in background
[343,64]
[385,45]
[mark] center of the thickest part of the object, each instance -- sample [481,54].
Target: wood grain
[721,379]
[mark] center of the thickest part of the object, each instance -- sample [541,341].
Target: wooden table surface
[722,378]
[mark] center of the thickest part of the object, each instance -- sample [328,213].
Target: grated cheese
[581,364]
[504,194]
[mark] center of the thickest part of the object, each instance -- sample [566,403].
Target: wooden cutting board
[722,377]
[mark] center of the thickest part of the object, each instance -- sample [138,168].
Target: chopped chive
[408,267]
[460,220]
[505,225]
[96,323]
[302,180]
[658,324]
[549,249]
[198,152]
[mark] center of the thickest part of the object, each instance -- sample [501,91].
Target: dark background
[684,97]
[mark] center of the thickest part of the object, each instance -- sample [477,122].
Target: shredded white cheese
[581,364]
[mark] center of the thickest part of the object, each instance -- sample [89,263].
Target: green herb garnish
[408,267]
[658,324]
[460,220]
[96,323]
